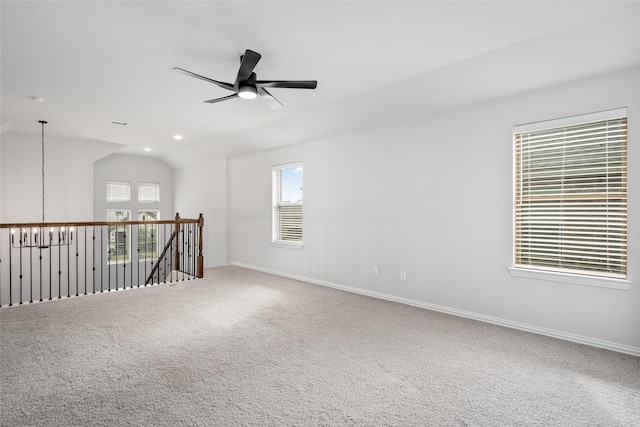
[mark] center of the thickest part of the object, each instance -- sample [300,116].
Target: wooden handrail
[90,223]
[177,221]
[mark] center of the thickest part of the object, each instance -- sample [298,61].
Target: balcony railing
[52,260]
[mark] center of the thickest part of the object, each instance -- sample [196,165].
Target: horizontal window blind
[287,203]
[148,193]
[571,198]
[118,191]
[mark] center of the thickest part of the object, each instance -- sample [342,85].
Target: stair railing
[45,261]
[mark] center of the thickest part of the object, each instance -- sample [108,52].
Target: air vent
[119,123]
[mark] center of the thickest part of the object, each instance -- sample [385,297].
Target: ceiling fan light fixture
[247,92]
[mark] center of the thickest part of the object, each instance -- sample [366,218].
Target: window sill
[298,246]
[603,282]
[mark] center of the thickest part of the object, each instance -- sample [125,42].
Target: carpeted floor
[246,348]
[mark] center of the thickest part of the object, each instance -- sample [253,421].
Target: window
[571,195]
[118,191]
[148,193]
[119,236]
[148,235]
[287,204]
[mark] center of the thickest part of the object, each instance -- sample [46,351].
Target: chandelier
[39,237]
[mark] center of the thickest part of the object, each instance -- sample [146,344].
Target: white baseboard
[621,348]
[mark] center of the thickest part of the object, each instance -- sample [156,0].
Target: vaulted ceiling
[375,62]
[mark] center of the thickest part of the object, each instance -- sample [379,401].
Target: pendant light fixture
[38,237]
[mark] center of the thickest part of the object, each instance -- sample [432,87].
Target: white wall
[433,197]
[202,188]
[135,170]
[68,177]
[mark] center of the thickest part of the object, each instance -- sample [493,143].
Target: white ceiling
[375,62]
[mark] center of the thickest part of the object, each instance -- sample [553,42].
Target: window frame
[549,273]
[148,184]
[108,192]
[157,229]
[276,239]
[127,229]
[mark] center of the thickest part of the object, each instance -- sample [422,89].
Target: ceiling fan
[247,85]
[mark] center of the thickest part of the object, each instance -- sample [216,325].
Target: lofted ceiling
[375,62]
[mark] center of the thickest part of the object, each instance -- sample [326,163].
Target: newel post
[177,233]
[200,256]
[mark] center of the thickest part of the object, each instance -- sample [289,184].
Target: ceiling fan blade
[249,61]
[291,84]
[271,100]
[223,85]
[213,101]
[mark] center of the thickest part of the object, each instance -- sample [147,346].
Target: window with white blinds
[148,192]
[118,191]
[571,195]
[287,204]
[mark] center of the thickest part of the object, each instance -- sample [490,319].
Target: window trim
[578,279]
[119,200]
[125,227]
[540,272]
[274,200]
[151,222]
[145,202]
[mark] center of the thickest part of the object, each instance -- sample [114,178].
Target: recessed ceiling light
[147,149]
[177,137]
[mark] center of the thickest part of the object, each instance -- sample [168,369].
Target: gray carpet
[247,348]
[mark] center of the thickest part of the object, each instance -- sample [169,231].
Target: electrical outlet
[374,271]
[403,275]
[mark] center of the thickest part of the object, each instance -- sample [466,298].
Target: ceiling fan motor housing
[247,92]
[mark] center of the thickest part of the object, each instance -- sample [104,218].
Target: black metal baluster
[158,272]
[50,269]
[141,259]
[182,261]
[192,252]
[116,267]
[188,256]
[145,270]
[68,265]
[124,261]
[10,276]
[171,260]
[77,254]
[131,256]
[59,266]
[93,257]
[109,257]
[85,259]
[21,273]
[102,257]
[188,266]
[31,268]
[40,257]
